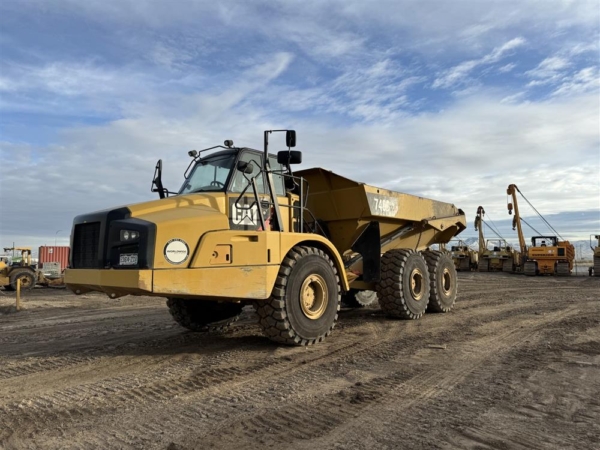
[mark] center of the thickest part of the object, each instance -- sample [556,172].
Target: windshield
[209,175]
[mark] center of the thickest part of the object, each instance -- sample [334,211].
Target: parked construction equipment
[244,228]
[48,273]
[464,257]
[595,268]
[551,254]
[23,270]
[496,254]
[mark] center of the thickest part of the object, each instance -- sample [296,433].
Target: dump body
[345,208]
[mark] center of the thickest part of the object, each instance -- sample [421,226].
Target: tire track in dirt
[106,395]
[170,393]
[321,415]
[123,392]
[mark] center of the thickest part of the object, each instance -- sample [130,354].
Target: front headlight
[128,235]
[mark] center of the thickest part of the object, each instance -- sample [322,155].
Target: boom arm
[512,190]
[479,226]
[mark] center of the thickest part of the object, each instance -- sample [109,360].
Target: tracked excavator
[547,254]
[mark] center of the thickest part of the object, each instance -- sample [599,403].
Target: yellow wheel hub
[446,281]
[314,296]
[416,284]
[25,281]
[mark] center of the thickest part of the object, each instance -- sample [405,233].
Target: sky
[452,100]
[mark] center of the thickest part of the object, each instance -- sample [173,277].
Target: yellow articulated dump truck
[244,229]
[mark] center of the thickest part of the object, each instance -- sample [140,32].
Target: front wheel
[304,305]
[26,276]
[203,315]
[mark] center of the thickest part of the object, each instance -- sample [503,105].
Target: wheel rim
[25,281]
[314,296]
[416,284]
[446,282]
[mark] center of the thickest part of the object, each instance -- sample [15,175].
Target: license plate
[128,259]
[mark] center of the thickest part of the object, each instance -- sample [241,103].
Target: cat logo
[243,213]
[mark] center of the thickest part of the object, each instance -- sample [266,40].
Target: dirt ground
[516,365]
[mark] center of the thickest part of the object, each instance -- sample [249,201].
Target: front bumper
[114,283]
[223,283]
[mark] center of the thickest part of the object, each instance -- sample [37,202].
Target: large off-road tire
[203,315]
[562,269]
[358,299]
[530,268]
[403,291]
[443,281]
[483,265]
[508,266]
[26,276]
[305,302]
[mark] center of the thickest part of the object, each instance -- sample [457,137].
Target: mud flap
[368,244]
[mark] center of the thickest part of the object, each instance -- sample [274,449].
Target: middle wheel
[404,287]
[305,302]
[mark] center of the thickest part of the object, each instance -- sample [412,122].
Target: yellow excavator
[547,255]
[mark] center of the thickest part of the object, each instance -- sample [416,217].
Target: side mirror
[290,138]
[289,157]
[157,181]
[245,167]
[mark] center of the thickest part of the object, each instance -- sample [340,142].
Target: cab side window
[240,182]
[278,180]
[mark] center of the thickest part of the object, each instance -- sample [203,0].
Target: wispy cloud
[459,73]
[418,98]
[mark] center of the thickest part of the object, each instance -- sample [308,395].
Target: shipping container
[54,254]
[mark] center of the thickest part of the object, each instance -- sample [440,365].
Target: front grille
[86,242]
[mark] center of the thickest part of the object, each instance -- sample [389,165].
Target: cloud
[459,73]
[466,155]
[451,100]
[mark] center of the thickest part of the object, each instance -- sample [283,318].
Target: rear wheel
[403,291]
[303,308]
[203,315]
[359,299]
[443,281]
[530,268]
[27,278]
